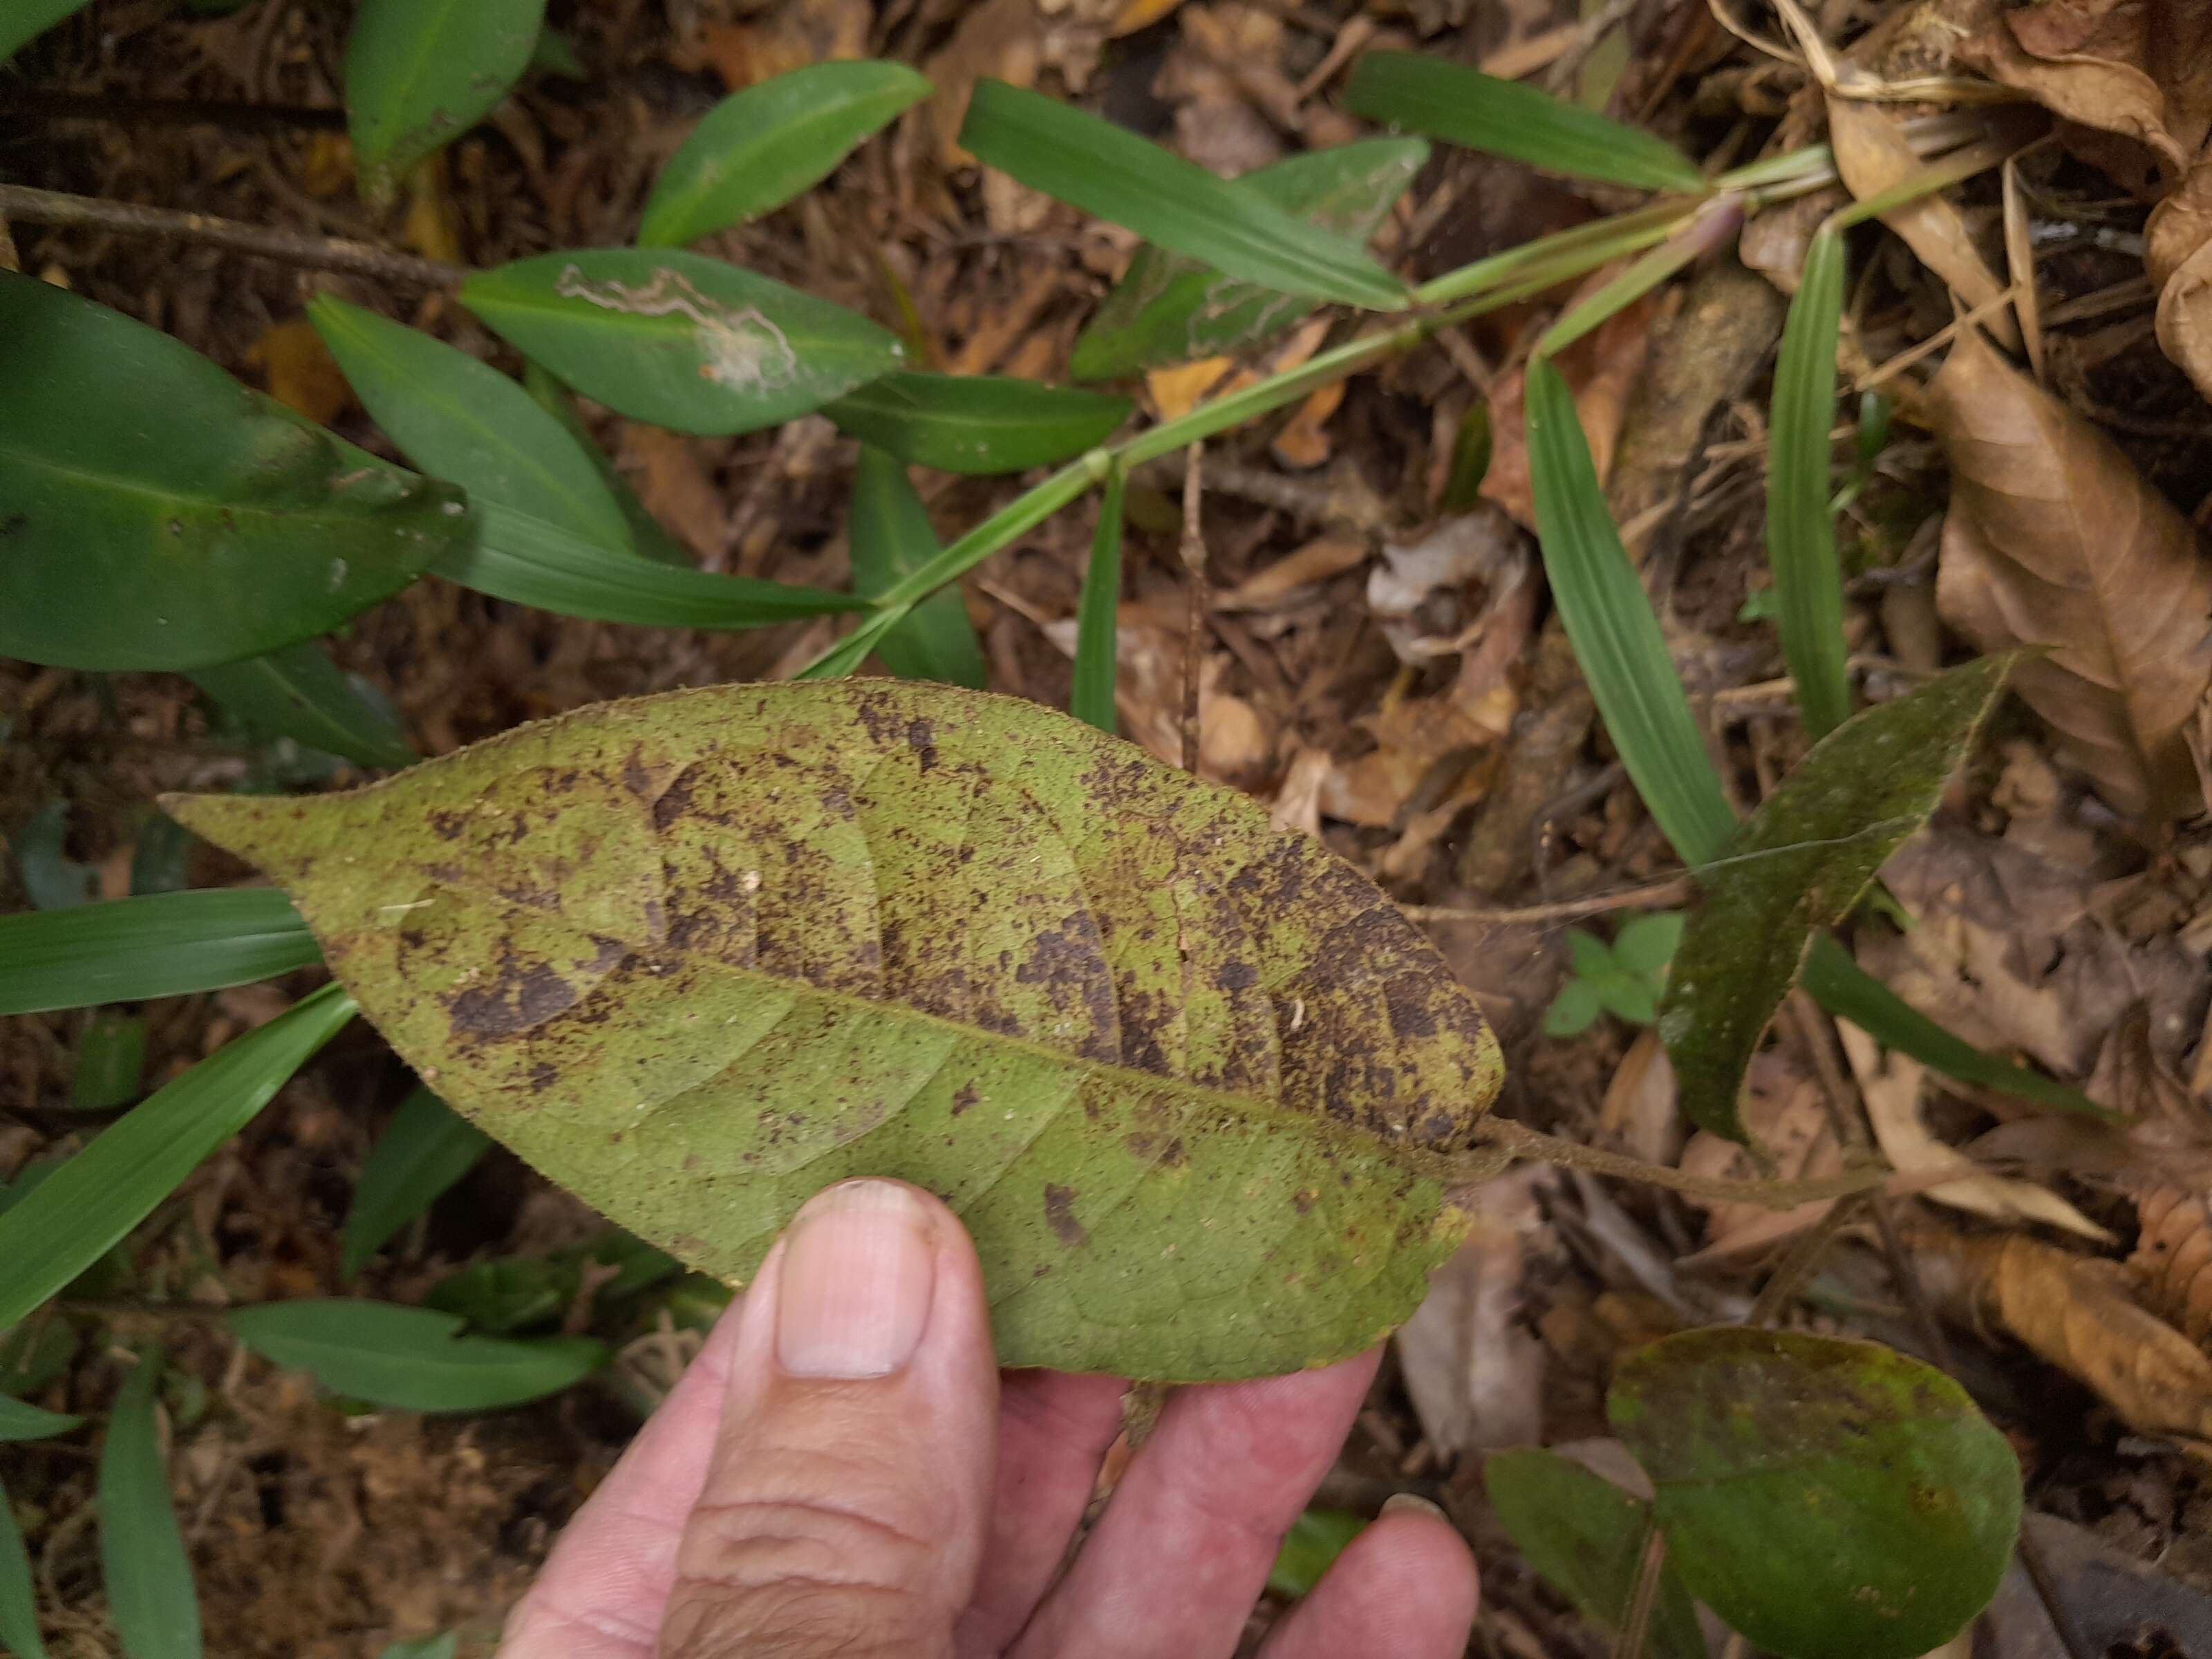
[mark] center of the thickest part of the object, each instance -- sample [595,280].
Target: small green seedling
[1623,978]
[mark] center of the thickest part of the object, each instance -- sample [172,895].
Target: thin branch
[1673,890]
[48,207]
[1523,1142]
[1643,1600]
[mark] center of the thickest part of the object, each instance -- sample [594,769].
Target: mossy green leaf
[1191,1081]
[1829,1499]
[1801,863]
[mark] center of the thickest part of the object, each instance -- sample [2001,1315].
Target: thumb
[845,1500]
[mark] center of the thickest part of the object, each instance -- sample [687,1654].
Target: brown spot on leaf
[964,1097]
[922,739]
[1060,1212]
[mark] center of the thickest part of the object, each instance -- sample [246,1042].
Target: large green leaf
[647,535]
[161,944]
[535,562]
[92,1202]
[1829,1499]
[1801,528]
[154,514]
[298,693]
[151,1600]
[1113,174]
[892,538]
[1801,862]
[1168,309]
[426,1149]
[419,73]
[977,423]
[23,21]
[1587,1536]
[696,956]
[681,340]
[1430,94]
[759,147]
[462,420]
[19,1612]
[412,1358]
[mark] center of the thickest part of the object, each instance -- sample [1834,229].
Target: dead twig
[1673,890]
[1193,564]
[49,207]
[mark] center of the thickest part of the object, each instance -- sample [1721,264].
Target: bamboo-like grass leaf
[411,1359]
[681,340]
[977,423]
[1715,224]
[161,944]
[1829,1499]
[1623,656]
[462,420]
[151,1598]
[159,516]
[1587,1536]
[1168,308]
[647,537]
[1098,615]
[1193,1083]
[427,1148]
[534,562]
[297,692]
[19,1610]
[89,1204]
[1801,863]
[1113,174]
[1460,106]
[26,21]
[759,149]
[419,73]
[892,537]
[1801,527]
[20,1421]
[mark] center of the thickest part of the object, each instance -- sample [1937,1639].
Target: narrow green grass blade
[1096,627]
[20,1420]
[759,149]
[1715,223]
[533,561]
[891,537]
[91,1203]
[1623,656]
[151,1598]
[426,1148]
[646,537]
[1461,106]
[297,692]
[18,1611]
[1615,634]
[26,20]
[977,424]
[1800,531]
[162,944]
[412,1358]
[1113,174]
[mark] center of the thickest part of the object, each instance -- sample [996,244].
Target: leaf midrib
[208,503]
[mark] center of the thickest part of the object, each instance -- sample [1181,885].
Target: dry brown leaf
[1473,1366]
[1000,38]
[797,33]
[2074,1312]
[1140,14]
[298,371]
[1783,1111]
[1303,567]
[2178,253]
[1303,441]
[1600,369]
[670,479]
[2173,1259]
[1891,1086]
[1872,155]
[2139,68]
[1176,390]
[2053,538]
[1639,1106]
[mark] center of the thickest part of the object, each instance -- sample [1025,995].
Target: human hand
[843,1471]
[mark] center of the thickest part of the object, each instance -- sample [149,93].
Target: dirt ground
[1388,681]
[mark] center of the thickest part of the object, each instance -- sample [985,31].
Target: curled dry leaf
[2172,1259]
[2139,68]
[1873,156]
[2075,1312]
[1891,1086]
[2178,253]
[2054,539]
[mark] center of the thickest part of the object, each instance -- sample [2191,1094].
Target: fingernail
[855,1286]
[1408,1503]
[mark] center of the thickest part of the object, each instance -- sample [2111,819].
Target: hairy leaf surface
[1187,1079]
